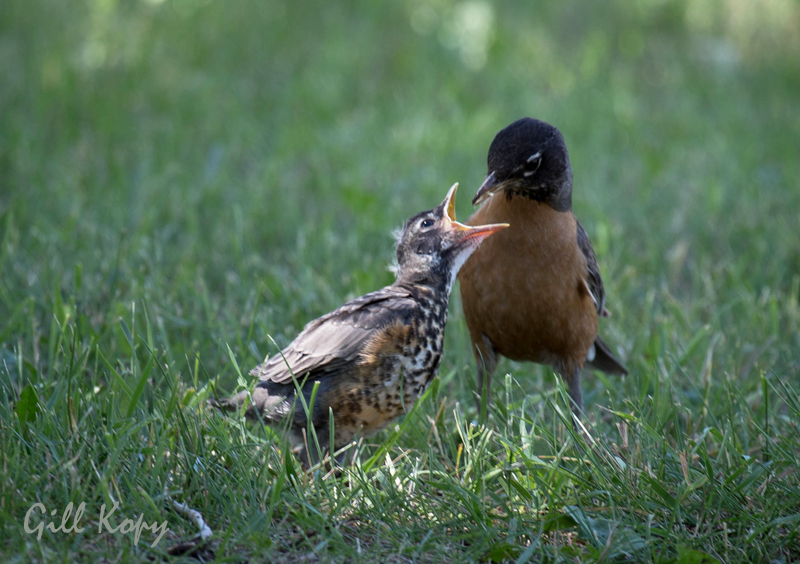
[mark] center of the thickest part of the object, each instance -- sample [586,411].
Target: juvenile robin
[374,356]
[534,292]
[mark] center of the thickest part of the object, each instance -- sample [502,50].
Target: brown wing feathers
[594,280]
[603,359]
[335,340]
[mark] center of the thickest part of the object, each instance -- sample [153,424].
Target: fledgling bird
[534,292]
[375,355]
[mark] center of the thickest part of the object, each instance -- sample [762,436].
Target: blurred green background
[235,168]
[197,153]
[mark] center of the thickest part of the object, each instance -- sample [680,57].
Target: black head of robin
[534,292]
[529,158]
[372,357]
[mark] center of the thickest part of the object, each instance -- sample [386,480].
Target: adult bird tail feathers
[605,360]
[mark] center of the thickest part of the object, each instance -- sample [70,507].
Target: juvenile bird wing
[594,281]
[332,342]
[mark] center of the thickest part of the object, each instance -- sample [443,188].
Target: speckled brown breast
[396,367]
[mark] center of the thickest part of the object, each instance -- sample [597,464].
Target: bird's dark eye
[533,163]
[425,223]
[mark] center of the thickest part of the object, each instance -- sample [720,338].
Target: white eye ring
[535,158]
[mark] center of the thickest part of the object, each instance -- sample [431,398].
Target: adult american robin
[534,292]
[374,356]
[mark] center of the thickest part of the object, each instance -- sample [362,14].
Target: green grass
[180,180]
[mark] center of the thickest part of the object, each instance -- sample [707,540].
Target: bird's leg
[344,458]
[315,446]
[305,460]
[486,361]
[484,393]
[300,447]
[571,373]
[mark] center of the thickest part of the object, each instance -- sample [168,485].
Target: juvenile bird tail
[230,404]
[605,360]
[263,404]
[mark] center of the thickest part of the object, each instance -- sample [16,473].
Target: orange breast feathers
[524,287]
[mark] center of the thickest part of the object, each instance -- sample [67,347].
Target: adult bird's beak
[487,189]
[460,233]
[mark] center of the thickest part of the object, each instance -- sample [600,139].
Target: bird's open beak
[459,232]
[487,189]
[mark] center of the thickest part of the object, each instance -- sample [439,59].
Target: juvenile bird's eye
[426,223]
